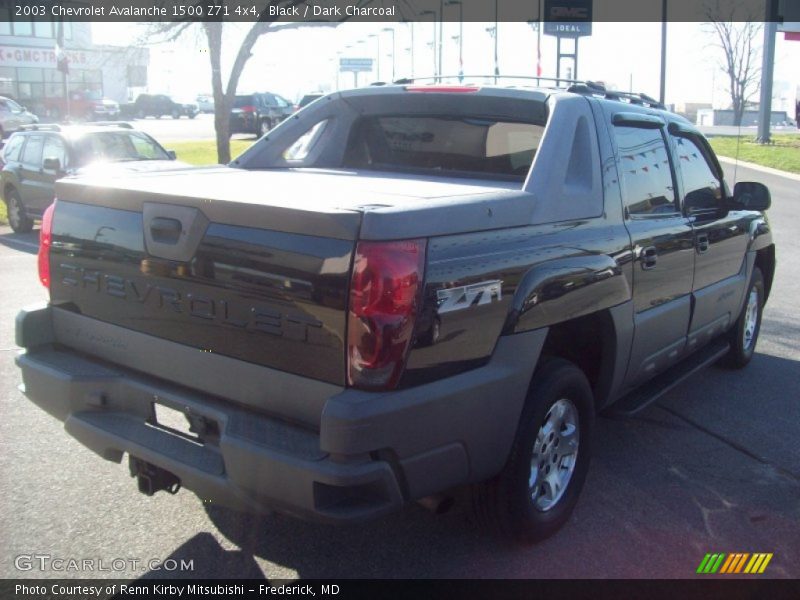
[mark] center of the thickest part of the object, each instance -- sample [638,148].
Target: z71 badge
[476,294]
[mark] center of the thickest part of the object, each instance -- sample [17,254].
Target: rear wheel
[265,126]
[18,219]
[537,490]
[744,335]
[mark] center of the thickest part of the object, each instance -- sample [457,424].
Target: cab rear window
[444,144]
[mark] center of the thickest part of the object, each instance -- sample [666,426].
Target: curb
[755,167]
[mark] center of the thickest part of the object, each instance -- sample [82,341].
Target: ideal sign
[568,18]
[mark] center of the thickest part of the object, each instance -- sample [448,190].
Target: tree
[224,92]
[738,42]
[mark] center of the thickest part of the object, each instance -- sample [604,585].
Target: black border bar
[730,588]
[286,11]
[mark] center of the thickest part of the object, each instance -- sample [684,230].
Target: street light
[492,31]
[433,23]
[460,5]
[377,37]
[394,50]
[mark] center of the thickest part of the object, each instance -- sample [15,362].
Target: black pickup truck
[398,292]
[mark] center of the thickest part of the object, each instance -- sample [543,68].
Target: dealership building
[29,65]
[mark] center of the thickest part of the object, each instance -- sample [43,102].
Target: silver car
[13,117]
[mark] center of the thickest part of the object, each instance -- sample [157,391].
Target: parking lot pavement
[714,466]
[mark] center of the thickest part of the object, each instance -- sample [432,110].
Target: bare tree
[224,92]
[738,42]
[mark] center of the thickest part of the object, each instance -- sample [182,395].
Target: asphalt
[714,466]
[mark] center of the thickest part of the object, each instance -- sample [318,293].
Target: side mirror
[751,195]
[172,155]
[52,164]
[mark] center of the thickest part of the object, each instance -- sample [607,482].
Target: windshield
[13,105]
[117,146]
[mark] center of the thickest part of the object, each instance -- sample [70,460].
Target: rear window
[117,146]
[12,148]
[444,144]
[240,101]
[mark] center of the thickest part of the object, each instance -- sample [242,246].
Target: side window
[12,148]
[32,156]
[281,102]
[305,143]
[54,148]
[648,188]
[701,185]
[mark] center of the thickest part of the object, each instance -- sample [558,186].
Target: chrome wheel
[265,127]
[750,320]
[555,453]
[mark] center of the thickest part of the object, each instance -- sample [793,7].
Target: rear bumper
[370,453]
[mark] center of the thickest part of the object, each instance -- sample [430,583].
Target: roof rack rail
[595,89]
[585,87]
[41,127]
[122,124]
[60,126]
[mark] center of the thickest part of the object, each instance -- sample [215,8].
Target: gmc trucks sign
[568,18]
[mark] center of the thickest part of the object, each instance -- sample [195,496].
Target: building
[29,69]
[707,117]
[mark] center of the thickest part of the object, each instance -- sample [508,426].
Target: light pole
[441,32]
[394,50]
[433,23]
[460,5]
[377,37]
[496,36]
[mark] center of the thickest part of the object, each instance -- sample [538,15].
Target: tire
[743,337]
[526,506]
[264,126]
[19,221]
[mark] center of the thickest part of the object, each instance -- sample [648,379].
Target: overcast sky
[302,60]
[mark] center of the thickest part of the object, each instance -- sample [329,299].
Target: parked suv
[33,159]
[258,113]
[13,116]
[158,105]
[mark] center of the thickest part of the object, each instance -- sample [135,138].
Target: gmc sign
[568,18]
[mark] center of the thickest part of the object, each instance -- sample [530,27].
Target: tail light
[45,241]
[384,296]
[249,108]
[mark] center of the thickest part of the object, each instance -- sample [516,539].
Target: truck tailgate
[183,269]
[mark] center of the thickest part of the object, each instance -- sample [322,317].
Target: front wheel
[18,219]
[538,488]
[744,335]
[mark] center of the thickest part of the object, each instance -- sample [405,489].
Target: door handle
[649,257]
[702,243]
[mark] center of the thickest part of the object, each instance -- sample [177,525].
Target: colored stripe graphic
[703,563]
[727,564]
[740,564]
[765,563]
[734,563]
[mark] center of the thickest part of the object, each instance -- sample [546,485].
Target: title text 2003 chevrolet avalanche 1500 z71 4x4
[398,291]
